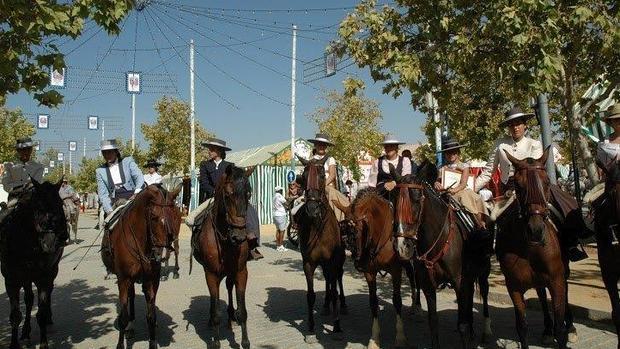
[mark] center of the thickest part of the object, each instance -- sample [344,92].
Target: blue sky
[249,68]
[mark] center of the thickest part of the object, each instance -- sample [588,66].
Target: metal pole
[431,105]
[545,130]
[192,122]
[133,121]
[70,162]
[84,152]
[293,84]
[102,130]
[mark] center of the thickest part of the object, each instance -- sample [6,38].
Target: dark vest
[382,176]
[119,191]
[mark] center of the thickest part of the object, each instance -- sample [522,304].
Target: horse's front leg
[149,288]
[43,290]
[344,310]
[15,318]
[483,281]
[241,281]
[230,283]
[213,283]
[521,322]
[547,336]
[465,300]
[123,317]
[29,300]
[328,295]
[333,290]
[309,269]
[431,303]
[415,287]
[375,338]
[558,299]
[397,300]
[131,295]
[175,274]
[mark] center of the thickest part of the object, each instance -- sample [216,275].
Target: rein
[429,263]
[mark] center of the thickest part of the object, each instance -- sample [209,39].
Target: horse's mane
[364,195]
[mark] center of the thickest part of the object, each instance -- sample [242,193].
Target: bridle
[535,199]
[404,203]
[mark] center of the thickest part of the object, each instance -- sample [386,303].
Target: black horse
[31,246]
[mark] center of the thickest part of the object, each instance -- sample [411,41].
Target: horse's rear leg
[325,311]
[213,282]
[569,321]
[547,336]
[175,273]
[29,300]
[230,283]
[309,269]
[131,295]
[242,313]
[397,300]
[343,303]
[15,318]
[123,318]
[521,322]
[431,303]
[43,316]
[558,299]
[149,288]
[483,282]
[371,279]
[465,300]
[611,285]
[333,290]
[416,303]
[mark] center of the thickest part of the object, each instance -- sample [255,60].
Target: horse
[607,211]
[220,245]
[373,250]
[31,246]
[132,251]
[528,248]
[176,227]
[444,256]
[320,245]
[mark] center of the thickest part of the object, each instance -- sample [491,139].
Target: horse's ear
[302,160]
[427,172]
[249,171]
[545,155]
[516,162]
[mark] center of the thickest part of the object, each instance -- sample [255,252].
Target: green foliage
[351,120]
[169,136]
[13,125]
[138,154]
[30,32]
[85,180]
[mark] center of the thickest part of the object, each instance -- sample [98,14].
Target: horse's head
[612,184]
[533,191]
[313,183]
[162,218]
[48,216]
[234,193]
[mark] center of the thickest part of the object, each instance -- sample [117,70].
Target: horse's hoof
[245,344]
[572,337]
[175,276]
[153,345]
[215,344]
[310,339]
[548,340]
[373,345]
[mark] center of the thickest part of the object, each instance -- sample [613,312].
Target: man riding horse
[211,171]
[521,147]
[152,176]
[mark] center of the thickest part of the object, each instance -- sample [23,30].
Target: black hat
[513,114]
[152,163]
[449,143]
[216,142]
[23,143]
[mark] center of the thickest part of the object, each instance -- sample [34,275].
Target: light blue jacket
[134,181]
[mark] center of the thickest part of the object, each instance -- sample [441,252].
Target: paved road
[84,306]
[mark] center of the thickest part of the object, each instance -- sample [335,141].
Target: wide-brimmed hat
[214,142]
[388,139]
[449,143]
[23,143]
[613,112]
[321,138]
[152,163]
[513,114]
[109,144]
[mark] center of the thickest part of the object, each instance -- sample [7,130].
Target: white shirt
[154,178]
[524,148]
[217,163]
[374,171]
[278,205]
[115,172]
[607,153]
[330,162]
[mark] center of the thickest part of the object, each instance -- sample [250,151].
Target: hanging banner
[57,77]
[133,82]
[330,64]
[37,146]
[61,157]
[46,170]
[72,146]
[51,163]
[93,122]
[43,121]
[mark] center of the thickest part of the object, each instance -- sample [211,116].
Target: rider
[380,176]
[608,151]
[16,179]
[463,195]
[210,173]
[118,179]
[520,146]
[152,176]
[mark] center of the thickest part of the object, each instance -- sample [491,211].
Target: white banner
[57,77]
[51,163]
[330,64]
[72,146]
[133,82]
[43,121]
[61,156]
[46,170]
[93,122]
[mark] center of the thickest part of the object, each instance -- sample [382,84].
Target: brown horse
[176,228]
[373,251]
[133,251]
[607,220]
[444,256]
[320,244]
[528,248]
[221,247]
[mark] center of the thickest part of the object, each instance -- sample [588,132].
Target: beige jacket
[525,148]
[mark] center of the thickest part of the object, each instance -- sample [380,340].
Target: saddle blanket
[110,221]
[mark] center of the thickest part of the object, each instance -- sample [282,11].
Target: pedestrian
[152,176]
[608,152]
[279,217]
[406,153]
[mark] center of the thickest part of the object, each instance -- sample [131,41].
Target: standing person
[520,146]
[406,153]
[152,176]
[279,217]
[70,204]
[608,151]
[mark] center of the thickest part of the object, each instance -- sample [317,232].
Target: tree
[477,58]
[169,136]
[13,125]
[29,35]
[85,180]
[351,120]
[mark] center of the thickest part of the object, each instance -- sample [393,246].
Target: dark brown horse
[320,244]
[176,228]
[373,251]
[607,219]
[133,252]
[528,248]
[446,255]
[221,247]
[31,245]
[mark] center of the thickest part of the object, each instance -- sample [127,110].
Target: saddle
[114,217]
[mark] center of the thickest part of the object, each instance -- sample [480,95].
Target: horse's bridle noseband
[534,209]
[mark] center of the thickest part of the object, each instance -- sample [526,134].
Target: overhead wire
[148,26]
[288,10]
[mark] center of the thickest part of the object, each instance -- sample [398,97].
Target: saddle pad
[113,218]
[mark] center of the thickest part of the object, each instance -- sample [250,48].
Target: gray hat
[513,114]
[109,144]
[389,139]
[321,138]
[217,143]
[449,143]
[152,163]
[613,112]
[23,143]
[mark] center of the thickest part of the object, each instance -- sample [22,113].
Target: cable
[324,9]
[135,42]
[184,61]
[84,42]
[148,26]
